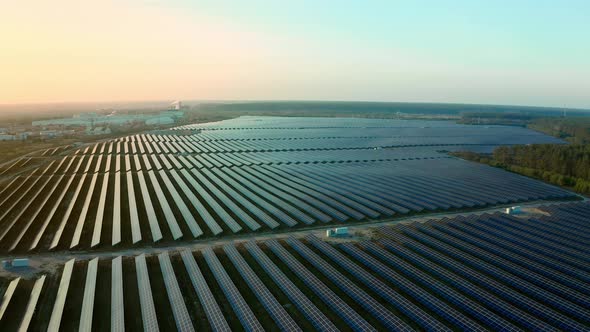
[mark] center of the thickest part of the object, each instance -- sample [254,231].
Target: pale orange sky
[67,50]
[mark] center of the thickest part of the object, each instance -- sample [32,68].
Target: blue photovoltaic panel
[117,210]
[311,312]
[351,317]
[170,218]
[148,310]
[181,316]
[239,305]
[149,209]
[88,300]
[83,213]
[133,213]
[207,218]
[51,213]
[389,320]
[32,305]
[117,305]
[184,210]
[227,219]
[274,308]
[60,299]
[214,314]
[100,212]
[8,296]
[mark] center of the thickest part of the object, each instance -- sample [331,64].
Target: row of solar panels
[140,147]
[449,274]
[95,208]
[148,143]
[268,122]
[341,133]
[177,145]
[15,166]
[104,163]
[191,203]
[537,283]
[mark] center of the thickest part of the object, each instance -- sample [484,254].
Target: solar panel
[532,260]
[489,318]
[207,218]
[54,171]
[136,162]
[362,204]
[66,215]
[83,213]
[116,234]
[141,148]
[270,303]
[148,310]
[175,161]
[184,210]
[365,300]
[88,163]
[268,220]
[169,216]
[286,219]
[60,299]
[227,219]
[127,163]
[467,285]
[277,191]
[304,218]
[32,304]
[530,271]
[311,312]
[107,167]
[100,212]
[35,188]
[38,208]
[117,305]
[69,165]
[117,162]
[531,290]
[146,161]
[333,200]
[50,214]
[156,162]
[301,195]
[133,213]
[239,305]
[214,314]
[181,316]
[150,212]
[339,306]
[8,296]
[16,190]
[88,301]
[98,163]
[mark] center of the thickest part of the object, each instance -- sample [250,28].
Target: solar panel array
[476,272]
[255,174]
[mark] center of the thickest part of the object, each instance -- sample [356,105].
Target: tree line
[564,165]
[573,129]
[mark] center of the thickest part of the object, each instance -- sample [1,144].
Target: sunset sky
[532,52]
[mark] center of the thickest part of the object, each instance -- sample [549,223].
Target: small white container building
[17,262]
[513,210]
[337,232]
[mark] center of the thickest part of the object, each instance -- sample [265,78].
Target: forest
[573,129]
[563,165]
